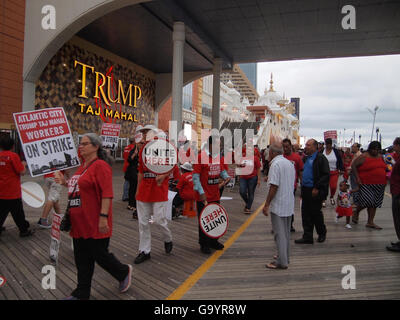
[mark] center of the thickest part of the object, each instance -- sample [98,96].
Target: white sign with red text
[159,156]
[46,140]
[55,236]
[214,220]
[110,134]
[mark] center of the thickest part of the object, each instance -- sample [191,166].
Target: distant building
[296,102]
[242,83]
[277,117]
[250,69]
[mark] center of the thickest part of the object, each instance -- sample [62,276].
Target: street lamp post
[377,134]
[373,112]
[359,139]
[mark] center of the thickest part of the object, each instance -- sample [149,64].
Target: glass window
[187,96]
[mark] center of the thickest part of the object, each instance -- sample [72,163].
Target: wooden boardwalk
[236,273]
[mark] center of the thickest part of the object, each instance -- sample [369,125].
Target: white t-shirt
[282,174]
[331,159]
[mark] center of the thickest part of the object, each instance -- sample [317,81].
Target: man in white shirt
[280,202]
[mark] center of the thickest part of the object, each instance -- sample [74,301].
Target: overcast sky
[335,94]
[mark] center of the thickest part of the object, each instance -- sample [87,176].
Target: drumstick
[32,195]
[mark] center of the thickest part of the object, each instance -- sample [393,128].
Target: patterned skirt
[371,195]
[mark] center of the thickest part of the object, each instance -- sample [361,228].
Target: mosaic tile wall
[59,86]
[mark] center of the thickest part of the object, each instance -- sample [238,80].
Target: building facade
[277,117]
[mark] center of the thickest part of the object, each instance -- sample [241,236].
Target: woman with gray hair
[90,194]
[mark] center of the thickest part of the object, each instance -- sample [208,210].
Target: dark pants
[311,214]
[204,240]
[247,188]
[132,191]
[17,211]
[396,213]
[89,251]
[291,223]
[178,201]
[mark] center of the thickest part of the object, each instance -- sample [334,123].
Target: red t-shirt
[10,178]
[297,162]
[185,186]
[175,174]
[253,163]
[125,155]
[209,176]
[93,185]
[372,171]
[148,190]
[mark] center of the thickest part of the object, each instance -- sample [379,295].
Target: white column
[178,38]
[216,93]
[28,96]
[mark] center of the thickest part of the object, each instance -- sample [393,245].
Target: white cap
[187,166]
[138,128]
[148,127]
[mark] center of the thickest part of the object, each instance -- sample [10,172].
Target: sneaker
[323,204]
[168,247]
[303,241]
[393,248]
[321,238]
[332,201]
[43,223]
[142,257]
[336,219]
[26,233]
[217,246]
[126,283]
[348,226]
[205,249]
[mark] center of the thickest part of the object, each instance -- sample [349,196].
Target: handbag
[65,224]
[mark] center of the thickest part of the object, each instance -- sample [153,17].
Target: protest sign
[159,156]
[331,134]
[46,140]
[33,194]
[110,134]
[214,220]
[55,237]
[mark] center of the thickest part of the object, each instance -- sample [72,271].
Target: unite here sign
[214,220]
[46,140]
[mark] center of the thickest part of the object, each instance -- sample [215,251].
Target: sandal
[373,226]
[247,211]
[275,266]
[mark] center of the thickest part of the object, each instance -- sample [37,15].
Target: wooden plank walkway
[314,273]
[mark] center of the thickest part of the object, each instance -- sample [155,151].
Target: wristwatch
[104,215]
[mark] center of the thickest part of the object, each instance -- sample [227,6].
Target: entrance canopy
[247,31]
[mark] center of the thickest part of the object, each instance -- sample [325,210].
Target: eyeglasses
[83,144]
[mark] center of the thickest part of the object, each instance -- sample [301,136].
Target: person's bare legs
[371,216]
[46,209]
[357,213]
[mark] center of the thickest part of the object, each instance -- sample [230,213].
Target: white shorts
[54,189]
